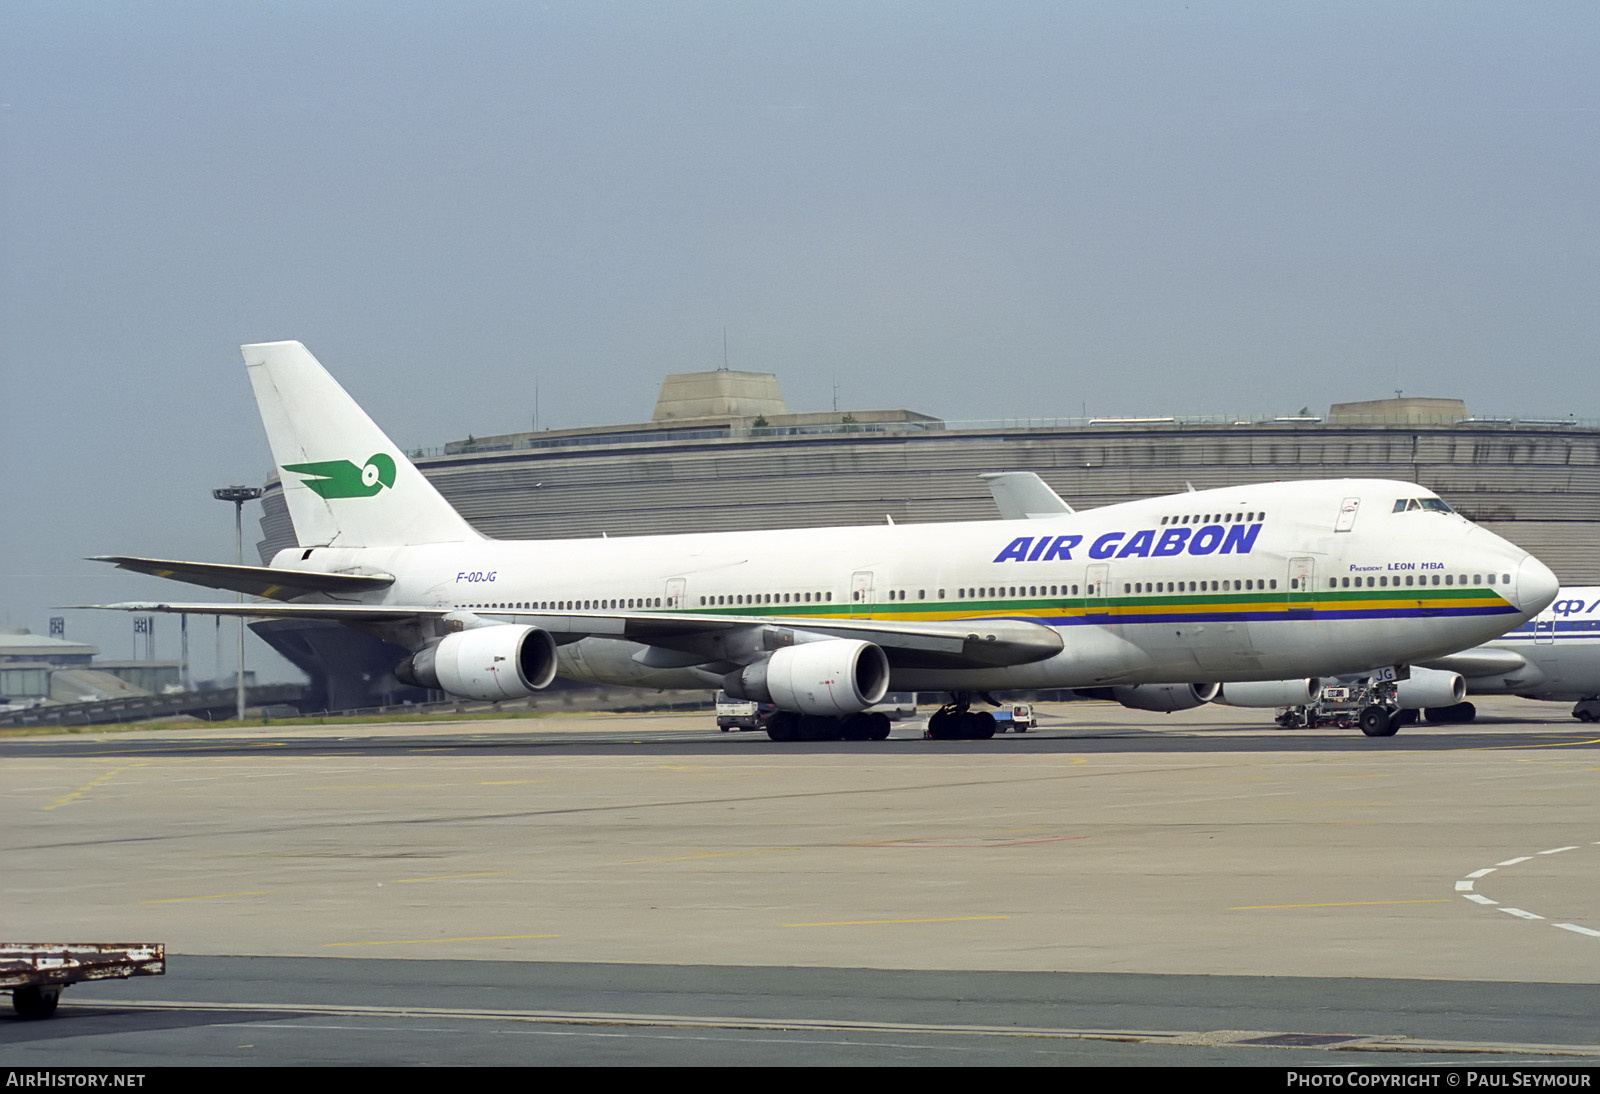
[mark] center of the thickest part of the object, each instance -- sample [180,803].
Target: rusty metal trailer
[36,972]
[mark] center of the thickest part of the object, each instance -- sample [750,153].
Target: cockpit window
[1433,505]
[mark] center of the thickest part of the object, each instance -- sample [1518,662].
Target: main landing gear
[956,721]
[786,725]
[1587,710]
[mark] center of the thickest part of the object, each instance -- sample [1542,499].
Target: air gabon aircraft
[1235,584]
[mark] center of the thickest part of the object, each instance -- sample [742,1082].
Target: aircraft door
[1347,514]
[1096,590]
[861,594]
[1302,581]
[675,591]
[1544,630]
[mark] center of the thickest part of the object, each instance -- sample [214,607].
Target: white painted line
[1481,899]
[1520,914]
[1514,861]
[1485,872]
[1464,886]
[1573,927]
[1558,850]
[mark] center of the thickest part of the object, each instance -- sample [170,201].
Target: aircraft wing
[272,582]
[970,643]
[1480,661]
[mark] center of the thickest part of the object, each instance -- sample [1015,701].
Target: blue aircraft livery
[1233,539]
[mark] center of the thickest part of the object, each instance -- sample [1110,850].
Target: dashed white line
[1467,886]
[1575,929]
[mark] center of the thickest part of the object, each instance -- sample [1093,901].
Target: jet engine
[1430,688]
[836,676]
[1271,693]
[488,663]
[1164,698]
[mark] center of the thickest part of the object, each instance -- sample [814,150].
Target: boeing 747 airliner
[1245,583]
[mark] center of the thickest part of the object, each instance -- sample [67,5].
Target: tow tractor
[1368,703]
[1014,718]
[36,972]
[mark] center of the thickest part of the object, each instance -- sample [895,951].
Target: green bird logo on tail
[343,479]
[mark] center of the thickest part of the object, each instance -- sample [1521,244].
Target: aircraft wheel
[1374,722]
[784,726]
[980,725]
[879,728]
[857,727]
[944,726]
[34,1001]
[1456,714]
[819,727]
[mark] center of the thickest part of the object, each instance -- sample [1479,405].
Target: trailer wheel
[35,1001]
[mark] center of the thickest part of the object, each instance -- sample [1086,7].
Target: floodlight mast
[238,495]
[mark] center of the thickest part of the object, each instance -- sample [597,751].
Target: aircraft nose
[1536,586]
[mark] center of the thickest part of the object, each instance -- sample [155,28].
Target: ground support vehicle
[36,972]
[1369,704]
[1014,718]
[740,714]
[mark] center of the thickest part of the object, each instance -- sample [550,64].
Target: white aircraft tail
[345,482]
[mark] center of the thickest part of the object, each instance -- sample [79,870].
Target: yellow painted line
[211,896]
[890,922]
[86,787]
[449,877]
[427,941]
[1509,748]
[1345,904]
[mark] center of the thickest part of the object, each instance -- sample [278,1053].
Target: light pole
[239,495]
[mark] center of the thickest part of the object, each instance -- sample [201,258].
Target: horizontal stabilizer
[266,581]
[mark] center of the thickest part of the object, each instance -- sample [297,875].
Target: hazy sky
[974,210]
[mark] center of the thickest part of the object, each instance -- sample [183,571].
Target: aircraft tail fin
[345,482]
[1023,495]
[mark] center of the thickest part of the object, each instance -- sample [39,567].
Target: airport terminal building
[722,452]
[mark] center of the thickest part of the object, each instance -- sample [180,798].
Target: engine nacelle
[487,663]
[1271,693]
[833,677]
[1430,688]
[1164,698]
